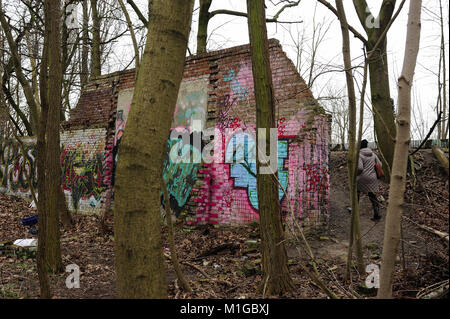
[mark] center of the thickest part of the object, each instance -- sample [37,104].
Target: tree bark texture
[384,117]
[355,233]
[397,185]
[96,50]
[203,20]
[276,278]
[53,153]
[139,259]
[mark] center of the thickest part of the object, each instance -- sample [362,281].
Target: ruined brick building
[217,90]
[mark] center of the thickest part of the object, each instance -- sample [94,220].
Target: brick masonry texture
[217,90]
[82,164]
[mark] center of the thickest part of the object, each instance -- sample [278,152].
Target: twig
[429,229]
[428,135]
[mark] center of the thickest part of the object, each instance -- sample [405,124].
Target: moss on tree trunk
[384,120]
[139,259]
[276,278]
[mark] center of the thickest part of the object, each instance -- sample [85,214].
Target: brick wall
[217,90]
[82,163]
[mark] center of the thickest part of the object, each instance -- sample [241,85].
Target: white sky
[227,31]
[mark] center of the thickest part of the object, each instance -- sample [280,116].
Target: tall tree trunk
[40,161]
[399,167]
[444,128]
[171,238]
[53,153]
[84,74]
[139,259]
[355,233]
[384,119]
[203,20]
[276,278]
[96,51]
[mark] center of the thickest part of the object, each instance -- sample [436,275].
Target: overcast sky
[227,31]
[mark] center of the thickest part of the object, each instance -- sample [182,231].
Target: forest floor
[220,262]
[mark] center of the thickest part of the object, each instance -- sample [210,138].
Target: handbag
[379,170]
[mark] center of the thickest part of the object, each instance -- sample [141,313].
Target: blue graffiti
[235,85]
[240,153]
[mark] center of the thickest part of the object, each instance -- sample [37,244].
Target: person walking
[366,179]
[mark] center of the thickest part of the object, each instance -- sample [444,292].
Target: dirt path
[372,232]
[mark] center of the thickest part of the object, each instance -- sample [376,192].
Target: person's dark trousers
[375,204]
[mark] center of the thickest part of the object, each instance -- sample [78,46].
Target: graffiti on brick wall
[229,193]
[180,178]
[82,175]
[82,166]
[316,177]
[225,118]
[242,148]
[225,191]
[236,86]
[16,172]
[191,103]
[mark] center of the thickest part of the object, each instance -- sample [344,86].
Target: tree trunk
[352,156]
[441,157]
[171,238]
[203,20]
[384,120]
[64,212]
[96,52]
[132,34]
[276,278]
[53,153]
[40,162]
[139,259]
[84,75]
[399,167]
[444,129]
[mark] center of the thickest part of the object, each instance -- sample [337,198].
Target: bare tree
[397,184]
[353,150]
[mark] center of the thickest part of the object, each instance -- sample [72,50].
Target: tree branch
[138,12]
[243,14]
[353,30]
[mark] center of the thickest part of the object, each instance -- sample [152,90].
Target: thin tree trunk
[27,89]
[96,51]
[64,212]
[355,233]
[133,36]
[203,20]
[445,122]
[276,278]
[84,75]
[53,166]
[139,259]
[399,167]
[40,161]
[171,237]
